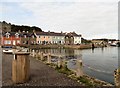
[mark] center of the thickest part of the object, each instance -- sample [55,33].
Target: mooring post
[41,56]
[33,53]
[20,67]
[36,53]
[64,63]
[49,58]
[117,77]
[59,64]
[79,65]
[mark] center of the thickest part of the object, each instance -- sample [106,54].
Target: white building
[77,38]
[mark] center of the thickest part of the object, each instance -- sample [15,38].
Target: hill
[7,27]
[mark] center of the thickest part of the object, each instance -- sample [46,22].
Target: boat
[8,51]
[113,44]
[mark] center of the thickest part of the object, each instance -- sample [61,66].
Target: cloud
[59,1]
[91,19]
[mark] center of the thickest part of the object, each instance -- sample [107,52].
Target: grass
[64,70]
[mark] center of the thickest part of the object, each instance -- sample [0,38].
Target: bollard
[49,58]
[59,64]
[64,63]
[36,54]
[33,53]
[79,72]
[41,56]
[20,67]
[117,77]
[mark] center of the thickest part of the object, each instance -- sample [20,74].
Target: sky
[90,18]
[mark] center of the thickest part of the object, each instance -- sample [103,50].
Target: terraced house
[49,38]
[72,38]
[57,38]
[10,39]
[28,38]
[43,38]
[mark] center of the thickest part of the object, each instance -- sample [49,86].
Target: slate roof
[50,33]
[20,34]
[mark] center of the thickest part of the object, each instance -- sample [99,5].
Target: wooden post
[36,54]
[64,63]
[48,58]
[33,53]
[117,77]
[41,56]
[79,72]
[20,67]
[59,62]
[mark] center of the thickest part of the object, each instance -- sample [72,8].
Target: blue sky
[91,19]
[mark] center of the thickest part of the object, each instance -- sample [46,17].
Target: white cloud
[91,19]
[86,18]
[59,0]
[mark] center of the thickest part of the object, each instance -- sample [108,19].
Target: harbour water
[99,63]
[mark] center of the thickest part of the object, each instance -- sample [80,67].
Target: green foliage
[85,41]
[85,81]
[64,70]
[16,28]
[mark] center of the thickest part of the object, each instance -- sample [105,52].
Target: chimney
[34,31]
[19,31]
[49,31]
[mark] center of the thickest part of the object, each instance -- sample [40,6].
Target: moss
[64,70]
[85,81]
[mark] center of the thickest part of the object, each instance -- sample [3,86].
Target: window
[7,36]
[25,36]
[7,42]
[18,42]
[17,35]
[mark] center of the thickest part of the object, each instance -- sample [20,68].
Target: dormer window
[7,35]
[17,35]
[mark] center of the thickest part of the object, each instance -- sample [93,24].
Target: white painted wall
[77,40]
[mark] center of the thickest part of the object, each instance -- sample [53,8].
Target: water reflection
[99,62]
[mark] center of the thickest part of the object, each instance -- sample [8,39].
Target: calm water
[99,63]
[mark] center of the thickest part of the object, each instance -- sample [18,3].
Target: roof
[20,34]
[50,33]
